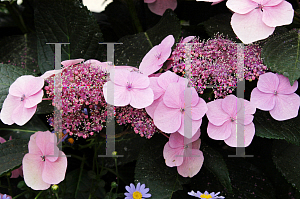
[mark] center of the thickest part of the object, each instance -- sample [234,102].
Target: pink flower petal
[8,107]
[54,172]
[241,7]
[286,107]
[33,100]
[17,172]
[149,1]
[33,167]
[155,58]
[195,127]
[2,140]
[151,109]
[279,15]
[157,90]
[215,113]
[263,101]
[71,62]
[104,66]
[250,27]
[268,2]
[219,132]
[173,156]
[166,78]
[231,105]
[172,97]
[198,111]
[177,140]
[160,6]
[249,107]
[121,96]
[141,98]
[249,131]
[138,80]
[191,165]
[167,119]
[50,73]
[120,77]
[45,138]
[27,85]
[284,86]
[22,115]
[196,144]
[32,146]
[268,82]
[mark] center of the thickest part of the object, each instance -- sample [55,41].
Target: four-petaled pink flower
[184,154]
[226,116]
[214,2]
[275,94]
[254,20]
[44,164]
[160,6]
[157,56]
[169,113]
[21,102]
[128,87]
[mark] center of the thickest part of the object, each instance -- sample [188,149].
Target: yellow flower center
[137,195]
[205,196]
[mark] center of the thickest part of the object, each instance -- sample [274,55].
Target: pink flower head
[157,56]
[17,172]
[226,116]
[186,156]
[169,114]
[130,87]
[160,6]
[21,102]
[214,2]
[275,94]
[254,20]
[44,164]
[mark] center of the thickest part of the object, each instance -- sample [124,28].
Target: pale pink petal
[268,82]
[71,62]
[196,144]
[177,140]
[191,165]
[17,172]
[167,119]
[215,113]
[141,98]
[22,115]
[50,73]
[32,146]
[43,138]
[149,1]
[249,131]
[27,85]
[250,27]
[2,140]
[173,156]
[286,107]
[157,90]
[241,7]
[219,132]
[263,101]
[33,167]
[121,96]
[189,96]
[244,118]
[160,6]
[120,77]
[8,107]
[104,66]
[198,111]
[195,127]
[216,2]
[279,15]
[33,100]
[138,80]
[173,95]
[166,78]
[151,109]
[231,105]
[54,172]
[249,107]
[284,86]
[269,2]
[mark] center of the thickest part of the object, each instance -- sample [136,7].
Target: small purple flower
[140,192]
[4,196]
[211,195]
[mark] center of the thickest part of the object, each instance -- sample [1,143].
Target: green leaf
[65,21]
[20,50]
[45,107]
[215,163]
[135,47]
[286,157]
[281,54]
[267,127]
[11,154]
[8,74]
[152,171]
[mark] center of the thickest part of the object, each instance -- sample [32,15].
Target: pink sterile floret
[128,87]
[254,20]
[44,164]
[21,102]
[214,2]
[170,112]
[184,153]
[160,6]
[275,94]
[229,115]
[157,56]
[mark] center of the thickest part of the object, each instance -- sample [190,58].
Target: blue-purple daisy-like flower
[4,196]
[205,195]
[140,192]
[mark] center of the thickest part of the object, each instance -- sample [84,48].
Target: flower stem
[19,195]
[134,16]
[165,135]
[36,197]
[80,174]
[118,181]
[9,186]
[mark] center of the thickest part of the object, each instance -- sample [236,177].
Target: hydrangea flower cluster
[214,63]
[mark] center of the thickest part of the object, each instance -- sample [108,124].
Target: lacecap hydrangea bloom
[138,192]
[206,195]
